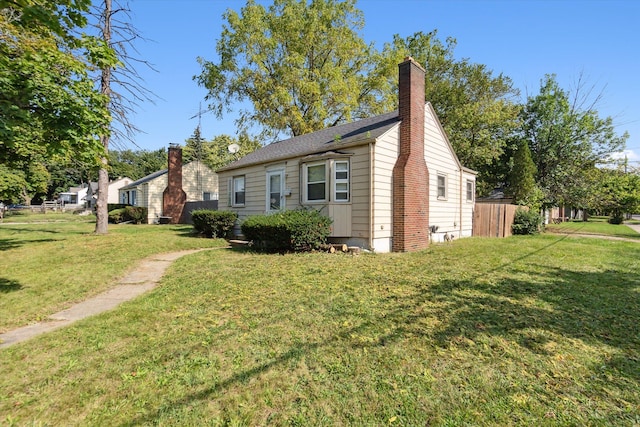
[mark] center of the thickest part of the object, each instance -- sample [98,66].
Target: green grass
[22,216]
[595,225]
[538,330]
[44,267]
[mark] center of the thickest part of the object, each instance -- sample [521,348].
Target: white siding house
[347,173]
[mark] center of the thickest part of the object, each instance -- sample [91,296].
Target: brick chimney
[410,174]
[174,197]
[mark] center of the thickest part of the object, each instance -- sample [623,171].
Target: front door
[275,190]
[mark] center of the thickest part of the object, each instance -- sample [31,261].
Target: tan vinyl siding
[360,178]
[256,188]
[386,154]
[452,214]
[153,196]
[198,179]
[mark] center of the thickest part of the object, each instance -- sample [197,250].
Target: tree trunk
[102,212]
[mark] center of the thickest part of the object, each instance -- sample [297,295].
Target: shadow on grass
[8,285]
[8,244]
[599,308]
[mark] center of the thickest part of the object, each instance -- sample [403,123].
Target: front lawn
[595,225]
[540,330]
[45,267]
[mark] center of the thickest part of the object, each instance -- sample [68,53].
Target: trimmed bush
[526,222]
[135,214]
[216,224]
[116,215]
[295,230]
[616,218]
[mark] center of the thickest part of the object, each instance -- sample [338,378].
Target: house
[113,195]
[75,195]
[390,182]
[164,193]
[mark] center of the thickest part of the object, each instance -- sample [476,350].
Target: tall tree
[522,180]
[121,86]
[301,65]
[48,103]
[566,137]
[476,108]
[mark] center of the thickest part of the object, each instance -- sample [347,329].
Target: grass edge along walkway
[143,278]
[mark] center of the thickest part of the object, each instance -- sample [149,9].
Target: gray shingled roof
[332,138]
[145,179]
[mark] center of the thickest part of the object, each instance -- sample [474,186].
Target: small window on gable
[237,197]
[470,192]
[315,182]
[442,186]
[341,180]
[206,196]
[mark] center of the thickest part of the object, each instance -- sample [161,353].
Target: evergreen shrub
[294,230]
[216,224]
[526,222]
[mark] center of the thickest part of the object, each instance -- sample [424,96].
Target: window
[315,177]
[341,180]
[470,191]
[206,196]
[442,186]
[237,198]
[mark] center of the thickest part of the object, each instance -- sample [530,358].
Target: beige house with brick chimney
[165,192]
[390,182]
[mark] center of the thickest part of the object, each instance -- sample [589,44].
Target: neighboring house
[113,196]
[200,183]
[75,195]
[390,182]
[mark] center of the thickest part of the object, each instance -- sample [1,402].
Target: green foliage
[615,193]
[300,64]
[136,214]
[566,139]
[215,152]
[293,230]
[526,222]
[522,181]
[216,224]
[136,164]
[47,98]
[476,107]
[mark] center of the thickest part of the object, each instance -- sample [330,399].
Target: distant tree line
[288,68]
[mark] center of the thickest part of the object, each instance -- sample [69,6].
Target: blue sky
[524,39]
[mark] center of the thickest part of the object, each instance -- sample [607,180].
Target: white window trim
[337,181]
[305,182]
[446,185]
[233,191]
[473,191]
[283,186]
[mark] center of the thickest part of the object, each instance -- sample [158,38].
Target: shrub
[116,215]
[616,217]
[526,222]
[214,223]
[294,230]
[135,214]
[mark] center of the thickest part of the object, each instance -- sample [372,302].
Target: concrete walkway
[142,279]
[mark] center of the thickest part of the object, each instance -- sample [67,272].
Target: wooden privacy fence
[493,219]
